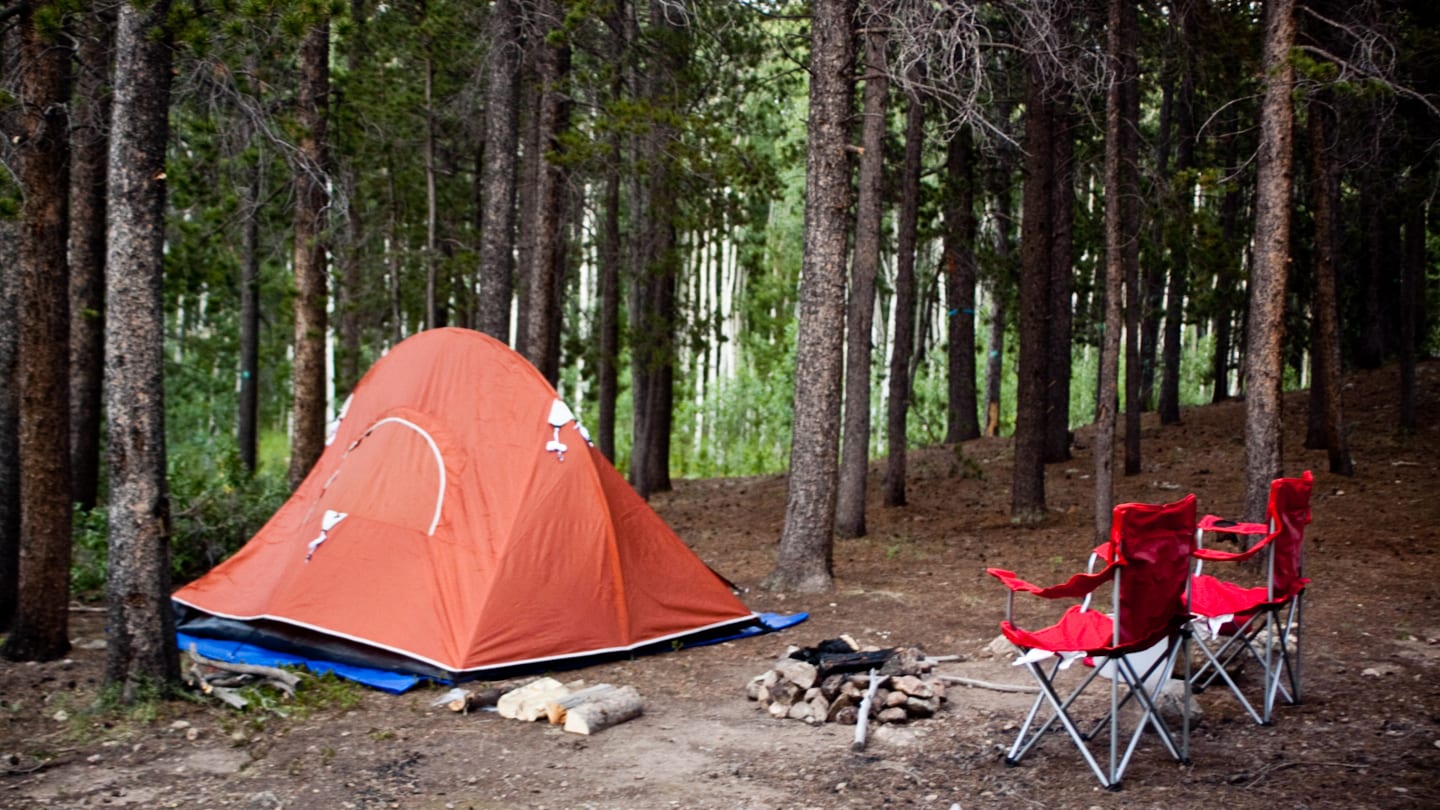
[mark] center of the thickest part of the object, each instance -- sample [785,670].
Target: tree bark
[903,345]
[434,305]
[1326,347]
[542,321]
[653,312]
[140,649]
[1027,494]
[1062,281]
[961,225]
[247,429]
[1169,405]
[9,415]
[1225,282]
[1412,303]
[860,314]
[502,132]
[805,559]
[1118,43]
[40,627]
[89,127]
[999,285]
[1129,135]
[350,310]
[9,381]
[608,340]
[1265,329]
[307,434]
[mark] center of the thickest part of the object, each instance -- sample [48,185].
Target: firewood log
[528,702]
[610,709]
[555,711]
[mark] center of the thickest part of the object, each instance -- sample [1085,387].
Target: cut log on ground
[528,702]
[555,711]
[610,709]
[979,684]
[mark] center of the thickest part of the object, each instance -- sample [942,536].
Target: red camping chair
[1148,563]
[1262,621]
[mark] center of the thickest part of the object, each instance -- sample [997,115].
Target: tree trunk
[1062,281]
[804,560]
[434,305]
[553,65]
[502,132]
[1371,350]
[1129,135]
[1412,302]
[40,628]
[248,418]
[653,311]
[1325,349]
[1265,329]
[860,314]
[1119,42]
[307,434]
[608,373]
[140,625]
[348,303]
[89,125]
[1226,281]
[9,413]
[1027,495]
[9,380]
[961,423]
[999,286]
[1181,210]
[903,346]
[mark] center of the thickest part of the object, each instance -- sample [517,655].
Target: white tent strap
[331,519]
[434,450]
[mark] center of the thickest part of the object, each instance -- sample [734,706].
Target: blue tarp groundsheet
[398,682]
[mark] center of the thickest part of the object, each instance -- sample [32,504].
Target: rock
[912,686]
[921,707]
[1001,647]
[1171,702]
[800,673]
[755,687]
[894,714]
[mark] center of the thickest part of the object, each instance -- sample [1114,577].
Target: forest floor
[1367,733]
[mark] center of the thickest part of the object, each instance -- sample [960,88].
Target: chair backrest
[1289,512]
[1155,542]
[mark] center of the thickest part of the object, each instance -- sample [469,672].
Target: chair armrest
[1075,587]
[1227,556]
[1215,523]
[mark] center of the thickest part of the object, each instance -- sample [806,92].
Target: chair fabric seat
[1210,596]
[1080,630]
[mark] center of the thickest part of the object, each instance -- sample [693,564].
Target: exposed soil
[1367,733]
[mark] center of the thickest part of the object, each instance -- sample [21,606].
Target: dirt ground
[1367,733]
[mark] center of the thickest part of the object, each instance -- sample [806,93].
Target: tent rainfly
[459,525]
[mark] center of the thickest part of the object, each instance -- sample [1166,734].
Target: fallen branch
[1280,766]
[862,719]
[979,684]
[13,766]
[281,679]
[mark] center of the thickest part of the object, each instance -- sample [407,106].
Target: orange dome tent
[460,524]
